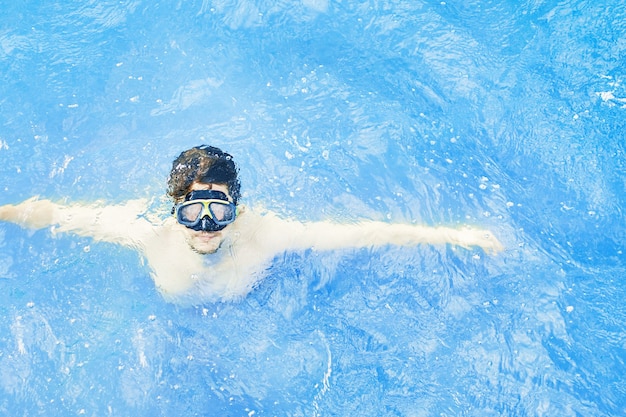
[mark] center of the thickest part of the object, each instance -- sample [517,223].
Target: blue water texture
[507,115]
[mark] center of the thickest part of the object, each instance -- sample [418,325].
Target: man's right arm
[120,224]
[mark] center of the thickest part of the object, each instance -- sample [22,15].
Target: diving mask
[207,210]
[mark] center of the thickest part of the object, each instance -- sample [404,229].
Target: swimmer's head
[203,164]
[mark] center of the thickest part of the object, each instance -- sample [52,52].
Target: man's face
[206,242]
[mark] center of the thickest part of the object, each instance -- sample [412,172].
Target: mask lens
[222,213]
[189,213]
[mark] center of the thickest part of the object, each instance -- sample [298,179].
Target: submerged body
[212,249]
[226,264]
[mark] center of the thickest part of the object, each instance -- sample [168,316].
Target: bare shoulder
[263,232]
[257,220]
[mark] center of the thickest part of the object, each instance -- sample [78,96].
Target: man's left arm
[329,236]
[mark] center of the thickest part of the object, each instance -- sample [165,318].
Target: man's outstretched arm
[120,224]
[329,235]
[326,235]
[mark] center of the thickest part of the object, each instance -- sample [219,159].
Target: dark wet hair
[205,164]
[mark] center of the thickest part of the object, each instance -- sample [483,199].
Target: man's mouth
[207,236]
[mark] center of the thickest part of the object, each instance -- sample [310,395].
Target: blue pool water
[508,115]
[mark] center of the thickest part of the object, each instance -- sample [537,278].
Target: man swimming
[212,248]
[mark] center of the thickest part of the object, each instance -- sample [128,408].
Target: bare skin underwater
[204,253]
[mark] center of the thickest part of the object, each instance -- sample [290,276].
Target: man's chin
[203,251]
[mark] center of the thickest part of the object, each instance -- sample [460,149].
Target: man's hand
[32,213]
[478,237]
